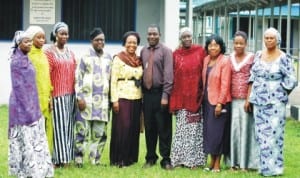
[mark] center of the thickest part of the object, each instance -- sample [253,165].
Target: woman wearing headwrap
[62,65]
[126,94]
[272,79]
[41,66]
[28,153]
[187,148]
[92,92]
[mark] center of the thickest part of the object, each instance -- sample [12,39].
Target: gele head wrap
[56,28]
[183,30]
[33,30]
[18,37]
[95,32]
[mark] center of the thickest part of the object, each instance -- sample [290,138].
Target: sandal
[207,169]
[216,170]
[193,167]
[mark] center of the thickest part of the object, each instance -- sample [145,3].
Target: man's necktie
[148,70]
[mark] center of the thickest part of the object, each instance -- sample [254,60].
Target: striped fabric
[64,120]
[62,70]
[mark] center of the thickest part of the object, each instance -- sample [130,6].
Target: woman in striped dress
[62,73]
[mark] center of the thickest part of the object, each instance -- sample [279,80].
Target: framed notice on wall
[42,12]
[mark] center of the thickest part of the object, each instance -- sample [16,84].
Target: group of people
[223,105]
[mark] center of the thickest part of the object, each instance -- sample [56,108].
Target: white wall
[5,83]
[171,15]
[165,14]
[148,12]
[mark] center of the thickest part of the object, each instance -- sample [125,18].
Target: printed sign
[42,12]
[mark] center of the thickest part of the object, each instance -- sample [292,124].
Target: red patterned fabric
[62,71]
[187,85]
[240,76]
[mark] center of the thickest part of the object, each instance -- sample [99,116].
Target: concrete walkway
[293,107]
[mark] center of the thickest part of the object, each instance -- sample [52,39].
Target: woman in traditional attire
[41,66]
[187,148]
[243,146]
[62,73]
[28,152]
[272,79]
[126,94]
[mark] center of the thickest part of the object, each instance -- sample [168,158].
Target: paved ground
[294,97]
[294,100]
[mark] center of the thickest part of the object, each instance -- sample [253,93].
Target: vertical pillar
[279,20]
[171,24]
[249,30]
[263,25]
[272,14]
[226,26]
[189,8]
[255,26]
[288,28]
[238,17]
[204,28]
[214,22]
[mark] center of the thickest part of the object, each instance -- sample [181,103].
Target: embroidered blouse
[240,75]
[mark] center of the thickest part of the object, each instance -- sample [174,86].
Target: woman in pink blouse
[243,147]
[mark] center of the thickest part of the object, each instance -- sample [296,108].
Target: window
[11,14]
[115,17]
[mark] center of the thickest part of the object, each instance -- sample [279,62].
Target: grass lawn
[291,152]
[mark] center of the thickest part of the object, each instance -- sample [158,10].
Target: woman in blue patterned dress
[272,79]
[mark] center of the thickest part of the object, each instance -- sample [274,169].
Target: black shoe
[167,166]
[149,164]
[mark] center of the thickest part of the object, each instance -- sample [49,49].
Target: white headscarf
[19,36]
[59,26]
[33,30]
[183,30]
